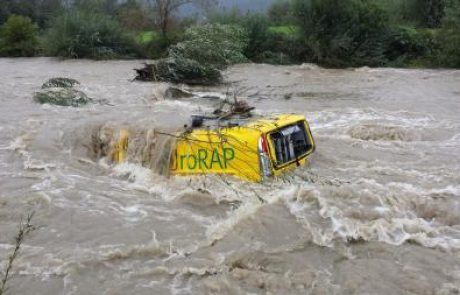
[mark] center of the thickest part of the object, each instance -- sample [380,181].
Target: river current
[376,210]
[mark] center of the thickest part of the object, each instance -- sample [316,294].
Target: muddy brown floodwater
[376,211]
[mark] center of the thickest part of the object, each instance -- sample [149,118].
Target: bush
[266,43]
[18,37]
[449,38]
[82,34]
[212,44]
[408,45]
[180,70]
[60,83]
[286,43]
[199,58]
[342,32]
[60,91]
[62,97]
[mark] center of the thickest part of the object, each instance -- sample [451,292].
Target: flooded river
[376,211]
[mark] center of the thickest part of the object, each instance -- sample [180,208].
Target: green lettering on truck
[215,158]
[229,154]
[202,156]
[189,162]
[204,159]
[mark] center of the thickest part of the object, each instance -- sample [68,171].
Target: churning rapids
[377,210]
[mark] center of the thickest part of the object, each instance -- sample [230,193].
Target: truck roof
[257,123]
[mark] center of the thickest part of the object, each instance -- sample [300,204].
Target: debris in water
[60,83]
[60,91]
[62,97]
[179,70]
[174,93]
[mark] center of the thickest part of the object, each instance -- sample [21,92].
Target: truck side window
[290,143]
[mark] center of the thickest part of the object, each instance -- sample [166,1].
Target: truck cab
[253,149]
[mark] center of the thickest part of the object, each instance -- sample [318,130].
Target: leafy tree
[97,6]
[133,16]
[256,26]
[39,11]
[419,13]
[212,44]
[432,12]
[279,12]
[164,9]
[342,32]
[410,46]
[82,34]
[449,37]
[18,37]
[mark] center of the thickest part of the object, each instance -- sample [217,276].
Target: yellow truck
[253,149]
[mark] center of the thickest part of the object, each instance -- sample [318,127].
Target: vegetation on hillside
[18,37]
[332,33]
[84,34]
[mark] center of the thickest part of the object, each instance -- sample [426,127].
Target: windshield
[290,143]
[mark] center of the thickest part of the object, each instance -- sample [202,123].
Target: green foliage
[133,16]
[419,13]
[449,37]
[431,12]
[279,13]
[60,91]
[146,37]
[180,70]
[82,34]
[18,37]
[62,97]
[184,70]
[39,11]
[335,33]
[212,44]
[409,45]
[286,30]
[287,45]
[343,32]
[96,6]
[267,43]
[60,82]
[256,26]
[198,59]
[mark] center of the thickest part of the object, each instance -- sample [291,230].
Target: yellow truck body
[252,149]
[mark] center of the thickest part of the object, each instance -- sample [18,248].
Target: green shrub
[342,33]
[180,70]
[274,58]
[278,44]
[82,34]
[60,83]
[256,26]
[449,38]
[212,44]
[62,97]
[409,45]
[18,37]
[146,37]
[60,91]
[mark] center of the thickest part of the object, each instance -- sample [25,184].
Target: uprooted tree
[199,58]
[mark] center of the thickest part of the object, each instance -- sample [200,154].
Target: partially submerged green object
[62,97]
[180,70]
[60,91]
[60,82]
